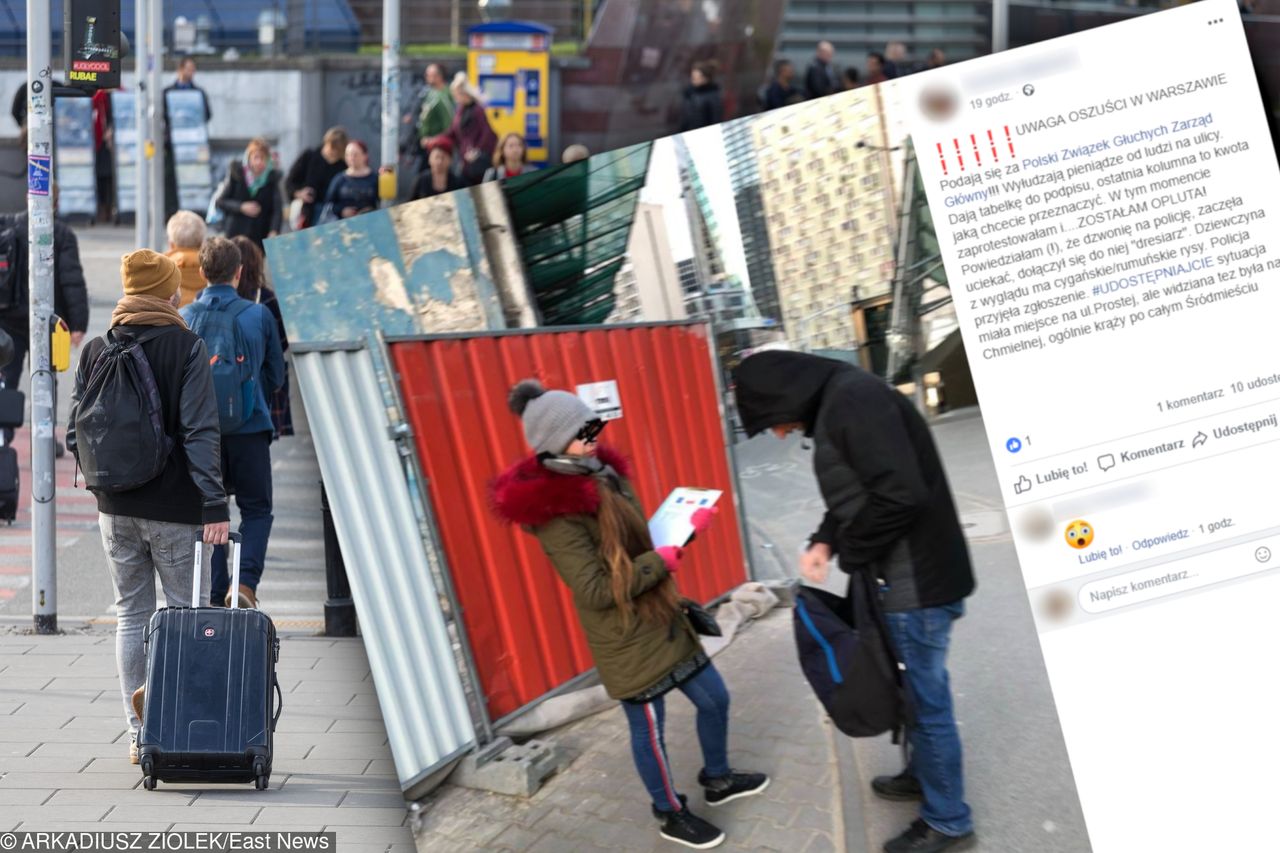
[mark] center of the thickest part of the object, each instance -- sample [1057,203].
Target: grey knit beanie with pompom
[552,419]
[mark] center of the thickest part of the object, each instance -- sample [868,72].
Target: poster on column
[73,163]
[191,157]
[125,124]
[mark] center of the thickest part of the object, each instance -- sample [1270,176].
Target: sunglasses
[590,431]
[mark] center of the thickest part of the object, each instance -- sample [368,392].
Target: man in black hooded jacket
[889,511]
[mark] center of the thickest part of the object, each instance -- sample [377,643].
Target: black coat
[235,191]
[312,170]
[423,188]
[819,79]
[703,107]
[889,506]
[70,295]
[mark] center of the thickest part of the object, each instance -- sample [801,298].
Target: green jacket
[436,113]
[560,510]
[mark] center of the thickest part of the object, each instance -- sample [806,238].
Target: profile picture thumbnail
[939,101]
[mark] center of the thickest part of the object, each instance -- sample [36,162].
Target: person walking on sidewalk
[889,511]
[186,232]
[310,176]
[248,365]
[253,287]
[70,294]
[152,529]
[576,498]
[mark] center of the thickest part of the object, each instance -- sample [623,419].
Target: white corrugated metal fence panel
[405,635]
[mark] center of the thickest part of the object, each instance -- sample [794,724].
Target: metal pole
[156,129]
[999,25]
[339,609]
[142,159]
[390,92]
[455,23]
[44,570]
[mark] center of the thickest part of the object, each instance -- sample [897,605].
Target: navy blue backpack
[847,656]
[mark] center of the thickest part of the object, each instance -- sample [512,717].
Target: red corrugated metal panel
[517,613]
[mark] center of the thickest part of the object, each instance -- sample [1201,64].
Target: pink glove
[671,555]
[702,519]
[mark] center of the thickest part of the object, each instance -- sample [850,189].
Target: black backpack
[847,656]
[121,442]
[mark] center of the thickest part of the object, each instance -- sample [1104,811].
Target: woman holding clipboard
[574,495]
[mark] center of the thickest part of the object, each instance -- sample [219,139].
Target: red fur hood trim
[528,494]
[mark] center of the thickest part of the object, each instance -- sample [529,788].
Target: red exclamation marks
[976,156]
[995,155]
[942,158]
[959,156]
[1010,140]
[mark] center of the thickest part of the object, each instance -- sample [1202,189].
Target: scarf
[255,182]
[146,311]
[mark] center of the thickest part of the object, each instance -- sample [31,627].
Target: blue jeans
[246,472]
[709,695]
[921,637]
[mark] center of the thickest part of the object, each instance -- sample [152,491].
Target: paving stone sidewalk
[597,802]
[64,749]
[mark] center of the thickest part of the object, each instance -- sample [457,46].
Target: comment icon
[1107,461]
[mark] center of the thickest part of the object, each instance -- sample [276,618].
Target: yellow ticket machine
[510,63]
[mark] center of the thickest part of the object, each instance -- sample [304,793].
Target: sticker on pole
[603,398]
[39,172]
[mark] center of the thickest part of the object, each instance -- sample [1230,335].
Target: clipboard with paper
[672,524]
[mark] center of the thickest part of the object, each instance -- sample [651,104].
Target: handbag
[702,622]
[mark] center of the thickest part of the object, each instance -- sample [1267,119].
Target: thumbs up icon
[1023,485]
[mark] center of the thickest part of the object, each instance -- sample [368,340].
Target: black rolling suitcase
[211,675]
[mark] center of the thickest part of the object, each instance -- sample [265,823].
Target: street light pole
[390,94]
[142,150]
[999,25]
[40,251]
[155,123]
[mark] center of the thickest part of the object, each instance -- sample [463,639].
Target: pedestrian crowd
[823,77]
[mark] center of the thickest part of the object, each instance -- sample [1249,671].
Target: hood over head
[780,387]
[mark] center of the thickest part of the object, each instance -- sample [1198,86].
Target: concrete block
[504,768]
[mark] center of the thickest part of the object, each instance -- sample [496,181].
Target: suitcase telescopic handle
[237,541]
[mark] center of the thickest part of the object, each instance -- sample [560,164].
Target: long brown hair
[624,534]
[251,277]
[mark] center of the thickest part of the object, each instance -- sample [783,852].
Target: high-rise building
[744,176]
[714,284]
[829,206]
[687,272]
[648,286]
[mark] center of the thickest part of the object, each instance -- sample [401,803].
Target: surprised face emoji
[1080,534]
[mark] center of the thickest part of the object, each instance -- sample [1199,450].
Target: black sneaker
[922,838]
[662,816]
[685,827]
[902,787]
[732,787]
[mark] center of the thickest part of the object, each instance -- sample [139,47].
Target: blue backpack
[847,657]
[234,376]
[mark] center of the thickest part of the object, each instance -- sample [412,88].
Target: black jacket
[889,506]
[312,170]
[70,296]
[703,107]
[423,188]
[819,79]
[234,192]
[777,96]
[189,489]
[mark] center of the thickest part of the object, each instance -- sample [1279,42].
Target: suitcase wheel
[149,782]
[262,777]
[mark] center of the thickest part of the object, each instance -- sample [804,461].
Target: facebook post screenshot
[1109,225]
[640,425]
